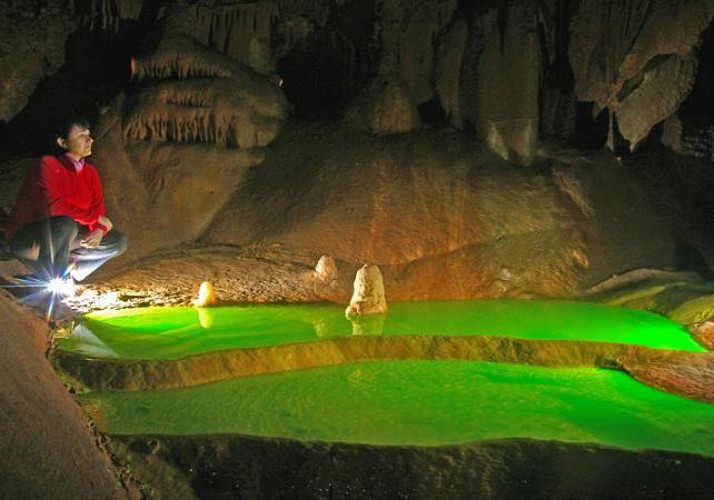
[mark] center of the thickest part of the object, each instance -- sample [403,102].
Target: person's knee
[65,226]
[25,250]
[121,243]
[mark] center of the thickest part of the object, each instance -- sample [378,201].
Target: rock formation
[31,48]
[489,82]
[326,269]
[201,106]
[206,295]
[176,146]
[628,53]
[368,296]
[48,450]
[386,107]
[442,217]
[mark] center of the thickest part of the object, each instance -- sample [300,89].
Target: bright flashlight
[58,286]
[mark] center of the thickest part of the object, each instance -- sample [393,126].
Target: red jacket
[53,188]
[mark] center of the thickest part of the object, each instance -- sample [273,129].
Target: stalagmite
[326,270]
[368,296]
[206,295]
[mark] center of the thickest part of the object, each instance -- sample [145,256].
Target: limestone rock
[365,344]
[685,139]
[408,30]
[206,295]
[441,216]
[386,107]
[507,468]
[672,132]
[241,31]
[47,445]
[617,48]
[173,150]
[450,59]
[659,93]
[326,269]
[684,373]
[704,333]
[162,194]
[106,14]
[192,94]
[368,296]
[32,45]
[498,78]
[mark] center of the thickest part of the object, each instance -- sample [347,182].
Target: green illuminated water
[421,403]
[173,333]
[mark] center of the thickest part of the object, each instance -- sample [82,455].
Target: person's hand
[92,239]
[104,221]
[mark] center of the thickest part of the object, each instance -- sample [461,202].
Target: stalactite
[176,66]
[182,125]
[317,11]
[231,29]
[105,14]
[408,31]
[193,94]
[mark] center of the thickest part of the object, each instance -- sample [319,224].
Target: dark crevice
[631,85]
[322,75]
[698,109]
[97,69]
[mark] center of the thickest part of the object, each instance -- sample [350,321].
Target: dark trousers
[48,247]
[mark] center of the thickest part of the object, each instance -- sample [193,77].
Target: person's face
[78,143]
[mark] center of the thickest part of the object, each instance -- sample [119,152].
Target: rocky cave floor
[239,275]
[278,274]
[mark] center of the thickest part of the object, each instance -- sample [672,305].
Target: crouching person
[58,226]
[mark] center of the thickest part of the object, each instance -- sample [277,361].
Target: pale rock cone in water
[206,295]
[368,296]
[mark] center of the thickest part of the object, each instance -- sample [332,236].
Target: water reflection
[172,333]
[371,324]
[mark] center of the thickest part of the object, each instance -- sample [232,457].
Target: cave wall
[32,42]
[626,54]
[47,448]
[189,96]
[508,71]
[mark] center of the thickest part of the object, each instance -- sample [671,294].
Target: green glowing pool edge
[580,405]
[131,334]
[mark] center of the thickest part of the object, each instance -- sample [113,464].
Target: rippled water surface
[421,403]
[172,333]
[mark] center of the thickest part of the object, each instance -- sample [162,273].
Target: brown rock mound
[46,448]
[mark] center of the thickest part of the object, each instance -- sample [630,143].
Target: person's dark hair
[62,128]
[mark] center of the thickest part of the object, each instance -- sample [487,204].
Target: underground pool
[423,403]
[173,333]
[182,384]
